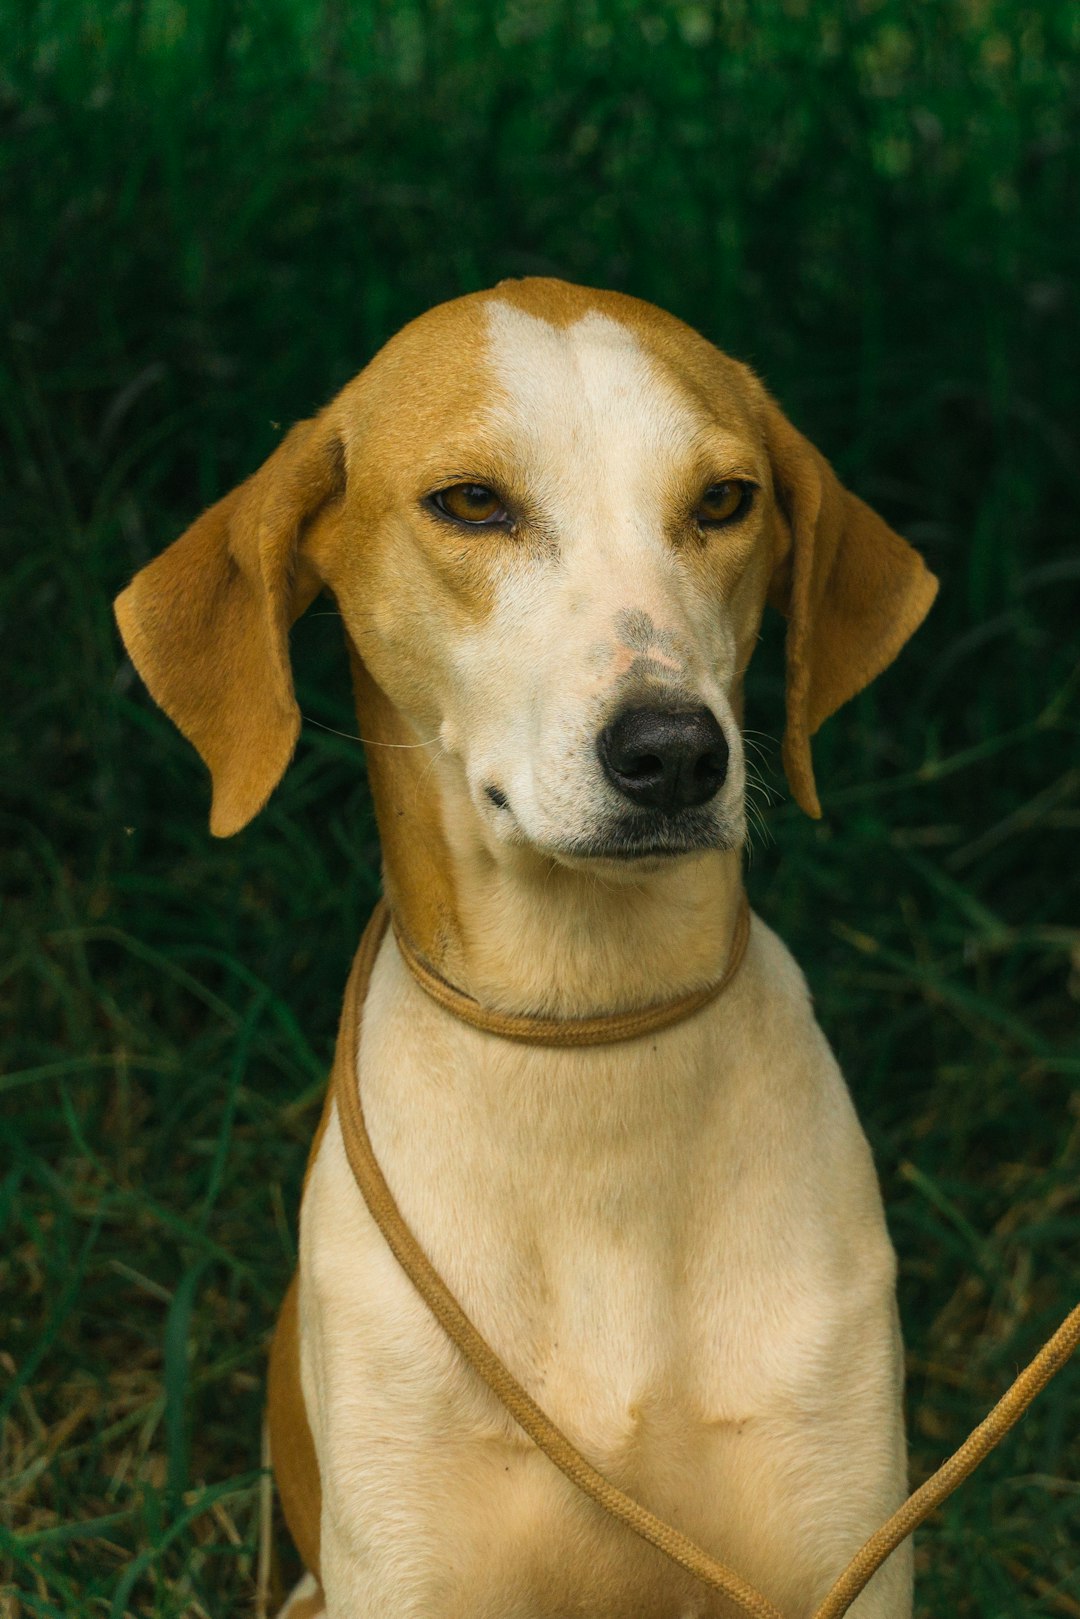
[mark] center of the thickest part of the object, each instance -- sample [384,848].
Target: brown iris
[470,503]
[723,502]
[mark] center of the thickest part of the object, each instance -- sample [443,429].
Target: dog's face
[558,562]
[551,519]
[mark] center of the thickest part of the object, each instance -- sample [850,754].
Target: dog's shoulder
[789,1051]
[772,988]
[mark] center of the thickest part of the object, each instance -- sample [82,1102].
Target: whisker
[757,810]
[760,823]
[368,741]
[757,751]
[755,818]
[428,768]
[754,783]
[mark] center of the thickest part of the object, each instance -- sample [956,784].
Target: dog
[551,519]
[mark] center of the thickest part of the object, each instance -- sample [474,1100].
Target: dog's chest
[589,1210]
[636,1241]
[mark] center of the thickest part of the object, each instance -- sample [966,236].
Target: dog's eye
[470,503]
[724,502]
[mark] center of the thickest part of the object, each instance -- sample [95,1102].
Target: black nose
[664,759]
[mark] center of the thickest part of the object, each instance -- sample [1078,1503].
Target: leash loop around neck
[553,1442]
[606,1029]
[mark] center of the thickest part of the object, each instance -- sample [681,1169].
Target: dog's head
[551,519]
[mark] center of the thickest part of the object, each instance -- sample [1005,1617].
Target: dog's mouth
[649,837]
[644,835]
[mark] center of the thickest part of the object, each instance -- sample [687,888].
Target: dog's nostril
[666,759]
[711,767]
[647,764]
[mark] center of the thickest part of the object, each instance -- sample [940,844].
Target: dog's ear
[207,623]
[851,590]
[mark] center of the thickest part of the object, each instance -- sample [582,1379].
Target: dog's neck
[517,931]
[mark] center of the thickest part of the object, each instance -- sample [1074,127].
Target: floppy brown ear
[851,590]
[206,623]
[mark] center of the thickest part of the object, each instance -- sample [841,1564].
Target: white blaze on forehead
[597,439]
[591,418]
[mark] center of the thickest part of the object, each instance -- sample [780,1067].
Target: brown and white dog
[551,519]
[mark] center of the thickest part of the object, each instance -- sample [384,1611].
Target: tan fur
[677,1245]
[305,1602]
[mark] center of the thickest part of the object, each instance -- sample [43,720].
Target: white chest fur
[676,1245]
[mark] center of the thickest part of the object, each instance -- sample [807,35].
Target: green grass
[210,215]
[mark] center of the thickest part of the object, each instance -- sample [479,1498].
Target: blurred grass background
[212,212]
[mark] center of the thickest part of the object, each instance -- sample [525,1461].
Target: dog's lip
[625,852]
[642,839]
[622,854]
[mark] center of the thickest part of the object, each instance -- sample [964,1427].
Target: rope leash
[538,1426]
[940,1485]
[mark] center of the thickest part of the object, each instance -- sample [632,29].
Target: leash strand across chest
[499,1379]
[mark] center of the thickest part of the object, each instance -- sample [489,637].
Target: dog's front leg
[410,1456]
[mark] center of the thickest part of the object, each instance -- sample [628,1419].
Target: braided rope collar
[345,1084]
[606,1029]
